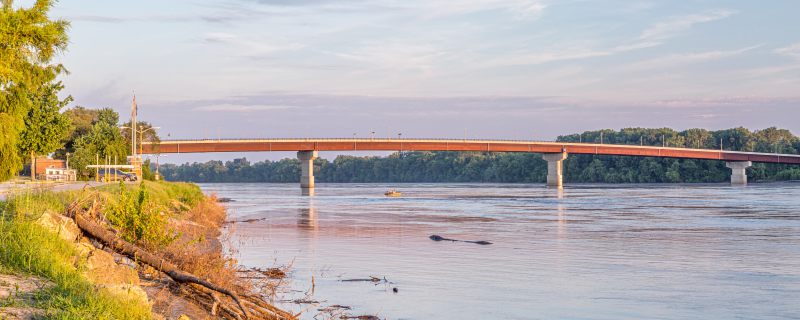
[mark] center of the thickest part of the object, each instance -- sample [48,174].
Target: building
[60,174]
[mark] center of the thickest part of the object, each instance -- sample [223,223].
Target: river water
[587,252]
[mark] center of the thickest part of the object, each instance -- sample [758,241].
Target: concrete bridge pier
[738,172]
[555,169]
[307,170]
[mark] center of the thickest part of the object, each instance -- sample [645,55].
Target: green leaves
[28,42]
[139,219]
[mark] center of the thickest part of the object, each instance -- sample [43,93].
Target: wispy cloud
[241,108]
[247,46]
[396,56]
[677,25]
[674,60]
[658,33]
[653,36]
[790,51]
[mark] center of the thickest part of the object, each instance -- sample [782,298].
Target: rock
[84,247]
[128,291]
[63,226]
[184,317]
[101,269]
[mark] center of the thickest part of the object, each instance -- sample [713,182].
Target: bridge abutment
[739,172]
[555,177]
[307,170]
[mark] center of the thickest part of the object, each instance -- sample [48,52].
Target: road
[11,187]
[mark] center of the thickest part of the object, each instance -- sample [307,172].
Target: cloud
[653,36]
[675,26]
[397,56]
[790,51]
[675,60]
[242,108]
[247,46]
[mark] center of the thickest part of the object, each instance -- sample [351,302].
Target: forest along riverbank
[126,251]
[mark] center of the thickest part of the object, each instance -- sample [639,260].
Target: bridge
[552,152]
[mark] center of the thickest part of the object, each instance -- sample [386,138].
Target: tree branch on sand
[249,307]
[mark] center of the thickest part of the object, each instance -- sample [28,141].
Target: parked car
[121,175]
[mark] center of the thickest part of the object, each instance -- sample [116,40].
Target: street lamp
[158,174]
[141,134]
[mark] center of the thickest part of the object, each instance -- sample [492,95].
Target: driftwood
[440,238]
[138,254]
[94,229]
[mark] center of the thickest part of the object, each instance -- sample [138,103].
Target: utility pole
[134,111]
[601,137]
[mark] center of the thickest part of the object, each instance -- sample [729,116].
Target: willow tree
[29,40]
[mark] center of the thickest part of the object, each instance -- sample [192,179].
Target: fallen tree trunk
[99,232]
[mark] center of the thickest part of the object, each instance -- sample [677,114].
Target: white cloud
[396,56]
[675,26]
[249,47]
[674,60]
[242,108]
[791,51]
[656,34]
[525,9]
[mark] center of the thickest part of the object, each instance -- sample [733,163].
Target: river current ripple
[587,252]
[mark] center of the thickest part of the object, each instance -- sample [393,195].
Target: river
[587,252]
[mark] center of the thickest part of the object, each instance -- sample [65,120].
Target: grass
[27,248]
[142,213]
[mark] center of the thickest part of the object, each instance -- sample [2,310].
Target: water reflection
[307,219]
[562,214]
[307,192]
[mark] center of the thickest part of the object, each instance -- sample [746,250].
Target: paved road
[7,188]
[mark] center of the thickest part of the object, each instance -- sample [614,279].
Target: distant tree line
[524,167]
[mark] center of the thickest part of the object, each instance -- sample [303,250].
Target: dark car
[121,175]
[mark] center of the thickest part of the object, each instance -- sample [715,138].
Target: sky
[500,69]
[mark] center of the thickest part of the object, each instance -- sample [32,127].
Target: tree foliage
[522,167]
[103,141]
[45,125]
[28,42]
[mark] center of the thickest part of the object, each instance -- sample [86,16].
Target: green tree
[45,125]
[103,141]
[28,42]
[145,133]
[83,119]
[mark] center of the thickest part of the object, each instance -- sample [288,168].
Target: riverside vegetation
[525,167]
[174,222]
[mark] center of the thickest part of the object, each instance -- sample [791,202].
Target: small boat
[393,193]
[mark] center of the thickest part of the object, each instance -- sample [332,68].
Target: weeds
[28,248]
[139,219]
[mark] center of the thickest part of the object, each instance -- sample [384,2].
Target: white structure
[555,177]
[739,172]
[60,174]
[307,169]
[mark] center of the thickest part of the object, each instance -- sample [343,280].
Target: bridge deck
[257,145]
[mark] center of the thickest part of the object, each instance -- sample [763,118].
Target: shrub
[139,219]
